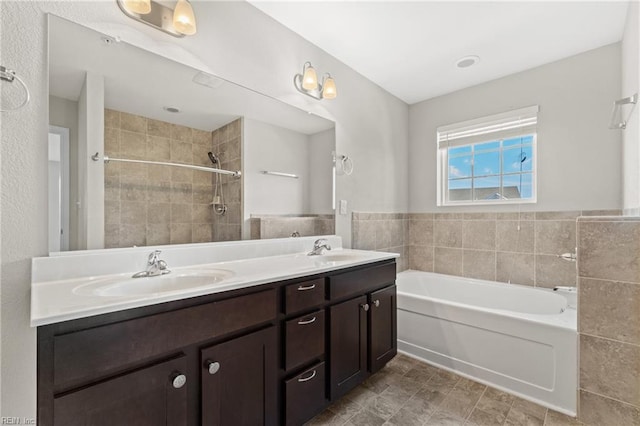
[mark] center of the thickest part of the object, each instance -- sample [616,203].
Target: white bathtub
[519,339]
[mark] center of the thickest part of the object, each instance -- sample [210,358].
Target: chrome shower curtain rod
[237,173]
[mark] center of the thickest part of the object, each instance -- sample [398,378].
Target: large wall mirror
[115,100]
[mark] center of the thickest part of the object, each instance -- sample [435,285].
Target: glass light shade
[141,7]
[329,88]
[309,79]
[184,20]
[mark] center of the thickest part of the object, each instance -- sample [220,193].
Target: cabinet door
[348,345]
[239,381]
[151,396]
[382,328]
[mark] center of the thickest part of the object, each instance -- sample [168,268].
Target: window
[491,160]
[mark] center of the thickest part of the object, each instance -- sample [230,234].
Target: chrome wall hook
[621,123]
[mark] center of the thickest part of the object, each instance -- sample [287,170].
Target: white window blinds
[495,127]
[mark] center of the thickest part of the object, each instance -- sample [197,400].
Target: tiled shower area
[156,205]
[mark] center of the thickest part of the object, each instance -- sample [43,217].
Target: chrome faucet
[318,247]
[155,266]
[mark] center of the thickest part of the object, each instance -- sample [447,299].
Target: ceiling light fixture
[467,61]
[307,83]
[177,22]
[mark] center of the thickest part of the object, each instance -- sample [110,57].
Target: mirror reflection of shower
[219,207]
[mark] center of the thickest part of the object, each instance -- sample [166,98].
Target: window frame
[442,180]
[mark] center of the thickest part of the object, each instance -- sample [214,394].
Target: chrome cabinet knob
[365,306]
[213,367]
[376,303]
[179,381]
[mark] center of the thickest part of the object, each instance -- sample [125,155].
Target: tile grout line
[611,398]
[476,404]
[610,339]
[612,282]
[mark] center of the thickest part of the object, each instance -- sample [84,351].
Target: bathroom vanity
[273,353]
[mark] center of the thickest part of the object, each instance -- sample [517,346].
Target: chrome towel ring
[10,76]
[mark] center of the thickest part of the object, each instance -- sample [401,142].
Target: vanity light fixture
[307,83]
[177,22]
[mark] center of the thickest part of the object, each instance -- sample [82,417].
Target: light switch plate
[343,206]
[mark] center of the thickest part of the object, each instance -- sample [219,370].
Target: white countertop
[57,300]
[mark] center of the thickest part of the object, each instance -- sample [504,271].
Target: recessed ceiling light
[171,109]
[467,61]
[109,40]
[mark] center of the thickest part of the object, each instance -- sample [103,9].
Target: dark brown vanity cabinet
[155,395]
[362,329]
[266,355]
[150,365]
[348,343]
[383,336]
[304,339]
[239,382]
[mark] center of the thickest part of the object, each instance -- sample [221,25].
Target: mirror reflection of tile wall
[149,204]
[227,143]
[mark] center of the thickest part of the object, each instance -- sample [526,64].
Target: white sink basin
[174,281]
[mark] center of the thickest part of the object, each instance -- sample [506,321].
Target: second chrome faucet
[155,266]
[319,246]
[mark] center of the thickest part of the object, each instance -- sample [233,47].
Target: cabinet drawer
[305,295]
[361,281]
[92,353]
[304,339]
[305,395]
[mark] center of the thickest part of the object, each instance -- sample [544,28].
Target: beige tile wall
[227,145]
[147,204]
[490,245]
[478,245]
[609,320]
[276,226]
[382,232]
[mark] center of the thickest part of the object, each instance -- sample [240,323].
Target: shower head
[214,159]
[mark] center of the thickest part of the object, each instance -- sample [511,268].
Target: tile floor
[408,392]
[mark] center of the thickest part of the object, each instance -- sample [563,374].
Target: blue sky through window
[496,169]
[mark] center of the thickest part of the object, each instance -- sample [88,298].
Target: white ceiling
[410,48]
[140,82]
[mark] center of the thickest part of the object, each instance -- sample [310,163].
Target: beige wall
[609,320]
[149,204]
